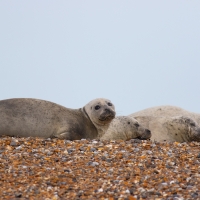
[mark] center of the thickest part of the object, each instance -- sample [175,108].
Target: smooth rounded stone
[105,154]
[49,153]
[103,170]
[169,154]
[1,151]
[100,190]
[18,148]
[149,152]
[136,150]
[109,160]
[67,141]
[103,158]
[92,164]
[194,195]
[116,181]
[68,170]
[111,170]
[93,149]
[70,150]
[18,195]
[82,148]
[13,143]
[127,191]
[141,190]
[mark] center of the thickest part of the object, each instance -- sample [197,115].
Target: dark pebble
[109,160]
[70,151]
[82,148]
[93,149]
[103,158]
[18,195]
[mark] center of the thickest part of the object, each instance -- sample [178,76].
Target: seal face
[101,112]
[125,128]
[27,117]
[170,123]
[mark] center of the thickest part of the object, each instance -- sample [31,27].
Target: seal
[25,117]
[170,123]
[125,128]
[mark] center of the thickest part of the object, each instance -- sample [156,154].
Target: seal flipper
[64,136]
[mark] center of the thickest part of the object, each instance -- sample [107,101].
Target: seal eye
[97,107]
[110,104]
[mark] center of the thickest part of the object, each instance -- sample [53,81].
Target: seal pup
[170,123]
[25,117]
[125,128]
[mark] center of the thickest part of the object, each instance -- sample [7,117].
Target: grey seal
[125,128]
[25,117]
[170,123]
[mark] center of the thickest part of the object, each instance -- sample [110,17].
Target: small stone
[149,152]
[100,190]
[13,143]
[18,148]
[109,160]
[116,181]
[82,148]
[127,191]
[136,150]
[93,164]
[93,149]
[18,195]
[70,151]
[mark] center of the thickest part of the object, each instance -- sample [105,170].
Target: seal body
[26,117]
[125,128]
[170,123]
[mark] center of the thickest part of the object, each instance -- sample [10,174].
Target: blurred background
[138,54]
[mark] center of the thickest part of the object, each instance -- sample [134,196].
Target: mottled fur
[26,117]
[125,128]
[170,123]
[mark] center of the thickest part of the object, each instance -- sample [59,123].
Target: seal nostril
[148,131]
[107,110]
[137,125]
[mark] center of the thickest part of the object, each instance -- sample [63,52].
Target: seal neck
[100,131]
[85,113]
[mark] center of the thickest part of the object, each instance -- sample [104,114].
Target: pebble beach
[35,168]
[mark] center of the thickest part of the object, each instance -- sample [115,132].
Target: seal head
[101,112]
[126,128]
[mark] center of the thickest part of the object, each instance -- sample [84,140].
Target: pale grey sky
[136,53]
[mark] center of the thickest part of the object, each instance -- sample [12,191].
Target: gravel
[33,168]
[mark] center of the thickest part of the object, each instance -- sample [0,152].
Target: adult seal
[170,123]
[25,117]
[125,128]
